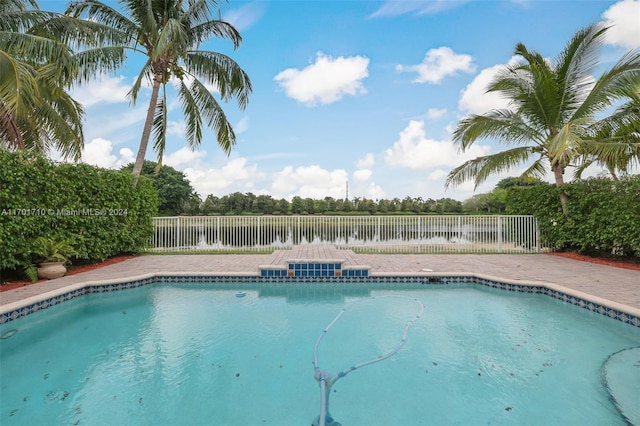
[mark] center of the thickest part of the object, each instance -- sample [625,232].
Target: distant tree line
[177,197]
[238,203]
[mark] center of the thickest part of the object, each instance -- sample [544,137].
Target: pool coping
[609,308]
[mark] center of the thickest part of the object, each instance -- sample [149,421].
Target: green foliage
[239,204]
[49,249]
[490,202]
[175,193]
[96,211]
[603,215]
[509,182]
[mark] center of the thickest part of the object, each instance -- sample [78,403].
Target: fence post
[537,233]
[499,234]
[178,233]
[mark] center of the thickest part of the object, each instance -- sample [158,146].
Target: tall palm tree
[36,69]
[169,33]
[552,114]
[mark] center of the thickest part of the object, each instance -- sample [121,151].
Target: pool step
[314,268]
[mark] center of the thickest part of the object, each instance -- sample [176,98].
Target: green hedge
[604,215]
[99,211]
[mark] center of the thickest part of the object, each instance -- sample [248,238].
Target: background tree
[330,204]
[283,206]
[265,204]
[210,206]
[175,193]
[297,205]
[552,113]
[169,33]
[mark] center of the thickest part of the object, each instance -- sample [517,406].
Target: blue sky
[361,91]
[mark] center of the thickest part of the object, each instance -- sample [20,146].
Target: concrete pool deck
[616,285]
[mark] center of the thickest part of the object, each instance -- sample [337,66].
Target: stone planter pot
[51,270]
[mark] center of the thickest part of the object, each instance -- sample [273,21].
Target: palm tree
[36,69]
[552,113]
[169,33]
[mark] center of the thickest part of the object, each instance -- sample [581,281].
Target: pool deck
[616,285]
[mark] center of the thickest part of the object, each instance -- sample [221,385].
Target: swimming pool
[189,354]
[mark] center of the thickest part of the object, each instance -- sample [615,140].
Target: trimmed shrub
[604,215]
[98,211]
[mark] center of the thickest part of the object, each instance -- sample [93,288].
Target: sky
[358,96]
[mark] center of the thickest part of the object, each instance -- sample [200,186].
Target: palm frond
[171,39]
[199,11]
[33,48]
[18,84]
[160,126]
[566,144]
[102,13]
[101,60]
[479,169]
[215,28]
[191,111]
[613,155]
[221,71]
[213,115]
[612,85]
[504,126]
[145,72]
[537,169]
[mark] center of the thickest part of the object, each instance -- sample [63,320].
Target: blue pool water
[197,354]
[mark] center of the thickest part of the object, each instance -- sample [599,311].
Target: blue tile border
[313,268]
[349,276]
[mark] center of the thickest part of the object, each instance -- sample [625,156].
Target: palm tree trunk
[558,172]
[146,132]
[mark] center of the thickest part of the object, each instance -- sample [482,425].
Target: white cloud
[235,173]
[375,192]
[437,174]
[362,174]
[474,98]
[422,7]
[624,19]
[309,182]
[98,152]
[450,127]
[371,191]
[438,64]
[120,125]
[106,89]
[182,157]
[326,80]
[241,126]
[176,128]
[413,150]
[366,162]
[245,16]
[434,113]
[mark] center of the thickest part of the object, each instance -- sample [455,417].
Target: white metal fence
[388,234]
